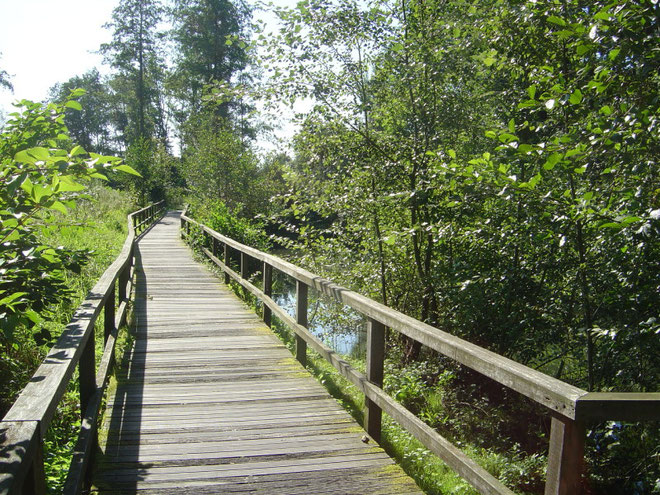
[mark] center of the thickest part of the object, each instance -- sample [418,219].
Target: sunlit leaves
[41,173]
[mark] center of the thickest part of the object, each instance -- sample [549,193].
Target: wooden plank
[211,397]
[454,457]
[21,469]
[617,406]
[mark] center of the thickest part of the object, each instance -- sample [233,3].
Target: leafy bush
[218,216]
[41,172]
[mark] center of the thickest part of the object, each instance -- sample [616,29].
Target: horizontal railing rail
[24,427]
[570,407]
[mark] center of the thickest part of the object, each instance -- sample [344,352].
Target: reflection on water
[336,325]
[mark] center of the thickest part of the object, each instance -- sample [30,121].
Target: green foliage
[489,168]
[222,219]
[96,227]
[158,172]
[217,165]
[90,127]
[41,173]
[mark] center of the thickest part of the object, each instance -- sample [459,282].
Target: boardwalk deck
[212,402]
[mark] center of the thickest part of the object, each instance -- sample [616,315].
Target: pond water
[336,325]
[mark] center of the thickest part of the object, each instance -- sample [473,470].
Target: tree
[210,39]
[135,52]
[91,126]
[5,81]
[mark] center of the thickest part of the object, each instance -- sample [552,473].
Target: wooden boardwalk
[212,402]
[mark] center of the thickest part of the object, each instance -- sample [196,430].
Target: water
[336,325]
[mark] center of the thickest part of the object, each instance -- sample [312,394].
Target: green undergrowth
[96,229]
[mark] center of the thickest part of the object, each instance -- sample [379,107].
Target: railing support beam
[375,360]
[301,319]
[226,259]
[268,290]
[565,457]
[109,314]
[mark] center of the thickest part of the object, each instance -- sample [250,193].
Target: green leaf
[582,49]
[59,206]
[576,97]
[531,91]
[556,20]
[613,53]
[67,184]
[506,138]
[39,192]
[73,104]
[603,15]
[32,155]
[452,154]
[512,126]
[630,219]
[11,298]
[33,316]
[77,150]
[552,160]
[127,169]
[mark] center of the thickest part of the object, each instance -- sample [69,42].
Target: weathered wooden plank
[617,406]
[21,469]
[210,395]
[565,457]
[454,457]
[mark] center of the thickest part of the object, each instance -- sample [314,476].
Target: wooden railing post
[244,266]
[35,481]
[214,247]
[375,361]
[87,374]
[109,314]
[301,319]
[565,457]
[268,290]
[124,276]
[226,258]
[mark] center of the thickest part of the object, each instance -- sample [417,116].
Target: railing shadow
[125,426]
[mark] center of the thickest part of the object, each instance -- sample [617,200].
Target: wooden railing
[23,428]
[570,407]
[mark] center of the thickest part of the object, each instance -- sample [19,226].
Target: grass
[97,225]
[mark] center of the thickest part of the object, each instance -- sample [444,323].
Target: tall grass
[97,226]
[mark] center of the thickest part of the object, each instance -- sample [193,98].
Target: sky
[43,42]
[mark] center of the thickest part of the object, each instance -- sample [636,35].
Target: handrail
[23,428]
[570,407]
